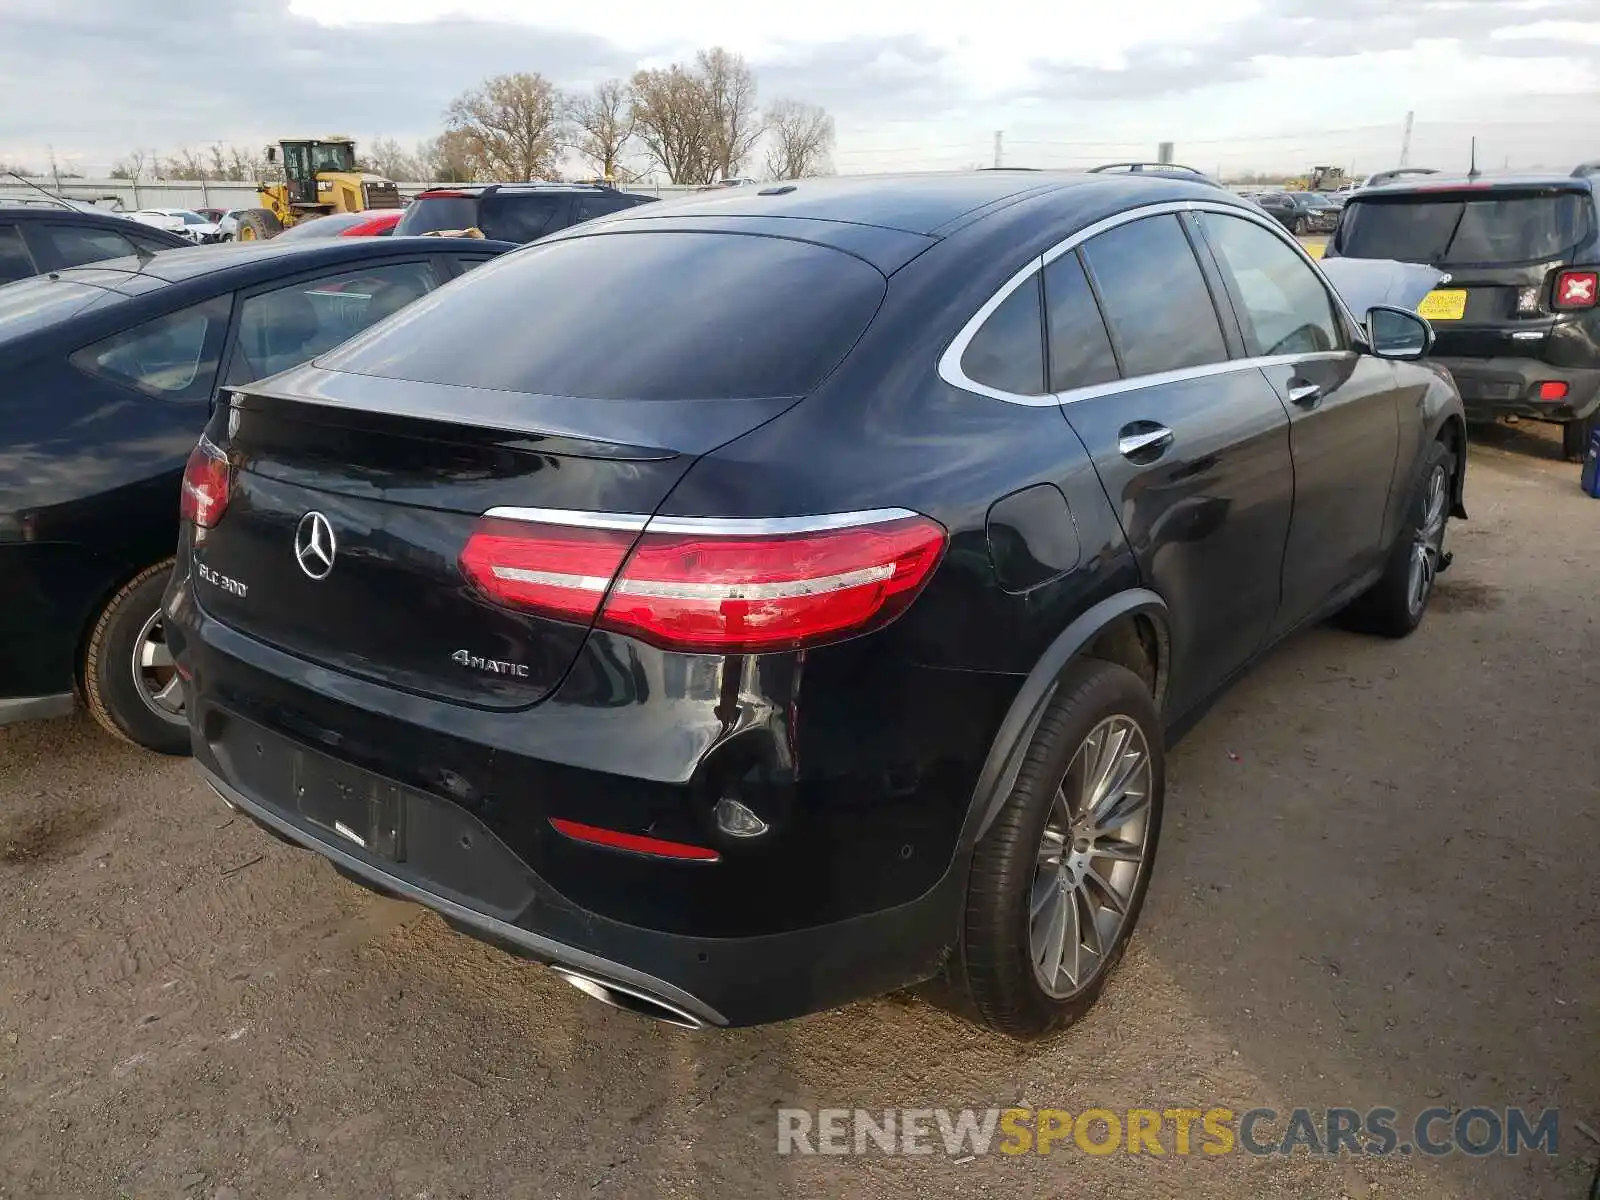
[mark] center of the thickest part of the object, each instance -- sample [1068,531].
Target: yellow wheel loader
[320,176]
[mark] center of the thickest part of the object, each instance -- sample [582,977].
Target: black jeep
[1518,314]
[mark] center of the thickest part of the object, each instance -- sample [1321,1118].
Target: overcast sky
[1236,84]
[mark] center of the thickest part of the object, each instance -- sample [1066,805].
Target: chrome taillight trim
[723,526]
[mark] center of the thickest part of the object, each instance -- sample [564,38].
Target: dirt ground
[1377,886]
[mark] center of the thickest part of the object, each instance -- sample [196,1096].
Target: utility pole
[999,138]
[1405,141]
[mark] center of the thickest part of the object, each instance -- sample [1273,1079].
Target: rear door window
[1155,299]
[522,217]
[1286,309]
[291,325]
[1080,347]
[172,357]
[635,316]
[14,261]
[1440,229]
[78,245]
[1007,352]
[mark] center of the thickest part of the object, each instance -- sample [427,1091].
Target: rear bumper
[859,893]
[709,981]
[1500,387]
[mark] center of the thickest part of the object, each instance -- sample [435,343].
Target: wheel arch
[1452,431]
[1130,628]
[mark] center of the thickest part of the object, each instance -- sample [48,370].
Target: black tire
[994,972]
[1575,438]
[1390,608]
[112,684]
[258,225]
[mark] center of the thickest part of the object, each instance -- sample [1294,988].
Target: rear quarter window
[635,316]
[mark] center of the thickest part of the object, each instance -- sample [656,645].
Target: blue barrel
[1591,464]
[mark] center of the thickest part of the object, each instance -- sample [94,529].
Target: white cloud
[912,83]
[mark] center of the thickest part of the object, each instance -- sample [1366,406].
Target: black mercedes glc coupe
[800,607]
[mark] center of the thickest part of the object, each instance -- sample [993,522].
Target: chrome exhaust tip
[629,999]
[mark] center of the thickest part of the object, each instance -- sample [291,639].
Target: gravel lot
[1377,886]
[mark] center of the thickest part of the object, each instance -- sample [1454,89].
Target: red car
[361,224]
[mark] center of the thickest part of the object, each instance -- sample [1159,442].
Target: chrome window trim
[725,526]
[950,361]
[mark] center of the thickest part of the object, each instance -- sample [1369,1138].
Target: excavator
[320,176]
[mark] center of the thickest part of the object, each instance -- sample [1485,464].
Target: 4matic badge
[492,665]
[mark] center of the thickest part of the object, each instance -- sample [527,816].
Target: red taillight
[708,585]
[205,485]
[1552,389]
[560,571]
[634,842]
[1577,289]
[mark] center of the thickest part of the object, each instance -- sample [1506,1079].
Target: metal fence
[205,193]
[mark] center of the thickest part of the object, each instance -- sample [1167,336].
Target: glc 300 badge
[493,666]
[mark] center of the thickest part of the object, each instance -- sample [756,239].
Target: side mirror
[1397,333]
[272,154]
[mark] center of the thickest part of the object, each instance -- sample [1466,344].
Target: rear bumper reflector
[634,842]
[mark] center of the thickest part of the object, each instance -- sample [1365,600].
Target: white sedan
[180,221]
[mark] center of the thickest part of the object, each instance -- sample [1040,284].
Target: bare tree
[800,140]
[388,158]
[669,120]
[602,123]
[513,124]
[445,159]
[185,164]
[730,103]
[133,165]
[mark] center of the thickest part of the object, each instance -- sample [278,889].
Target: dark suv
[512,212]
[1518,316]
[802,606]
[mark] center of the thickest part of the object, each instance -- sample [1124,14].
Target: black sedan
[805,611]
[1302,212]
[109,375]
[35,239]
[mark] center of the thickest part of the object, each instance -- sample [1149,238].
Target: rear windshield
[429,214]
[33,304]
[1444,229]
[641,316]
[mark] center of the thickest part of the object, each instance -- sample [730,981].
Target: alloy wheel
[1428,546]
[1090,856]
[155,674]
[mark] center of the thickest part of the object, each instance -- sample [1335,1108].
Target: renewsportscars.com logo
[1375,1132]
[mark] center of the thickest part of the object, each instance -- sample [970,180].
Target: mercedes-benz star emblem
[314,545]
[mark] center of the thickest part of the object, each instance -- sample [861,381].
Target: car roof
[930,204]
[534,185]
[1450,183]
[249,260]
[44,212]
